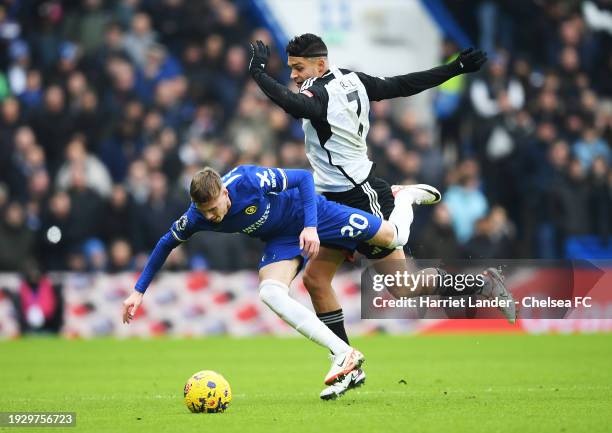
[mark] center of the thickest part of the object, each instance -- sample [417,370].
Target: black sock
[449,289]
[335,321]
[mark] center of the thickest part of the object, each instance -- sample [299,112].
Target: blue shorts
[339,226]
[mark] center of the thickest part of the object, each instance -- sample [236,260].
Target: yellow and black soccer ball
[207,392]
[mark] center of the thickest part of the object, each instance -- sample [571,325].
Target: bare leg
[283,271]
[318,276]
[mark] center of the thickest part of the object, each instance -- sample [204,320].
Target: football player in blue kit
[280,207]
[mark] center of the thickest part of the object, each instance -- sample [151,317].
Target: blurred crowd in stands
[107,108]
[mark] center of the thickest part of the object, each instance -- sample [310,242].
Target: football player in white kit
[334,104]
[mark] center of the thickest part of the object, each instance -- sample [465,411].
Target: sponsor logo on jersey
[264,180]
[250,210]
[257,224]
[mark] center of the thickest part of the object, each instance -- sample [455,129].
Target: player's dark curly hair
[306,45]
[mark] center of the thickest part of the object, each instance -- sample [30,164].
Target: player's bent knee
[400,239]
[271,290]
[311,282]
[316,283]
[388,236]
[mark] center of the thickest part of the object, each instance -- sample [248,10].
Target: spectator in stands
[39,303]
[57,233]
[125,143]
[121,256]
[600,200]
[154,214]
[86,25]
[32,95]
[16,238]
[86,206]
[53,125]
[27,159]
[20,62]
[540,210]
[97,177]
[113,45]
[466,203]
[493,237]
[485,93]
[10,120]
[119,216]
[570,213]
[437,240]
[447,102]
[140,38]
[94,252]
[10,30]
[589,147]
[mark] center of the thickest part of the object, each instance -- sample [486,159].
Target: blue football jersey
[266,203]
[261,206]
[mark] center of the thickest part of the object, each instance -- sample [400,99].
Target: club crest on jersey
[250,210]
[181,224]
[257,224]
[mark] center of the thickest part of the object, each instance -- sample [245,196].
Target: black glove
[470,60]
[260,54]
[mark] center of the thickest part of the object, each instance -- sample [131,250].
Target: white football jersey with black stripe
[336,146]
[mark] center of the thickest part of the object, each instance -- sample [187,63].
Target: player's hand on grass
[309,242]
[130,306]
[471,60]
[260,54]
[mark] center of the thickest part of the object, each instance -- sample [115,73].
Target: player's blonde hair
[205,186]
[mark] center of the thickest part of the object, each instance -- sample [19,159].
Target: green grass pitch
[492,383]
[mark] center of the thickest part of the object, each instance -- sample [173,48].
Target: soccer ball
[207,392]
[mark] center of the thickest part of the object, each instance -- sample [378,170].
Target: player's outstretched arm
[469,60]
[157,258]
[296,104]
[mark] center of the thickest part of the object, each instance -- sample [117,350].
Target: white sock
[402,217]
[276,296]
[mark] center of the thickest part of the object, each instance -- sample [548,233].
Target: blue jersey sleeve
[268,180]
[156,260]
[184,227]
[275,180]
[181,230]
[304,182]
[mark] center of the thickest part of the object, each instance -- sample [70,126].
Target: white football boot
[422,193]
[353,380]
[342,364]
[497,289]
